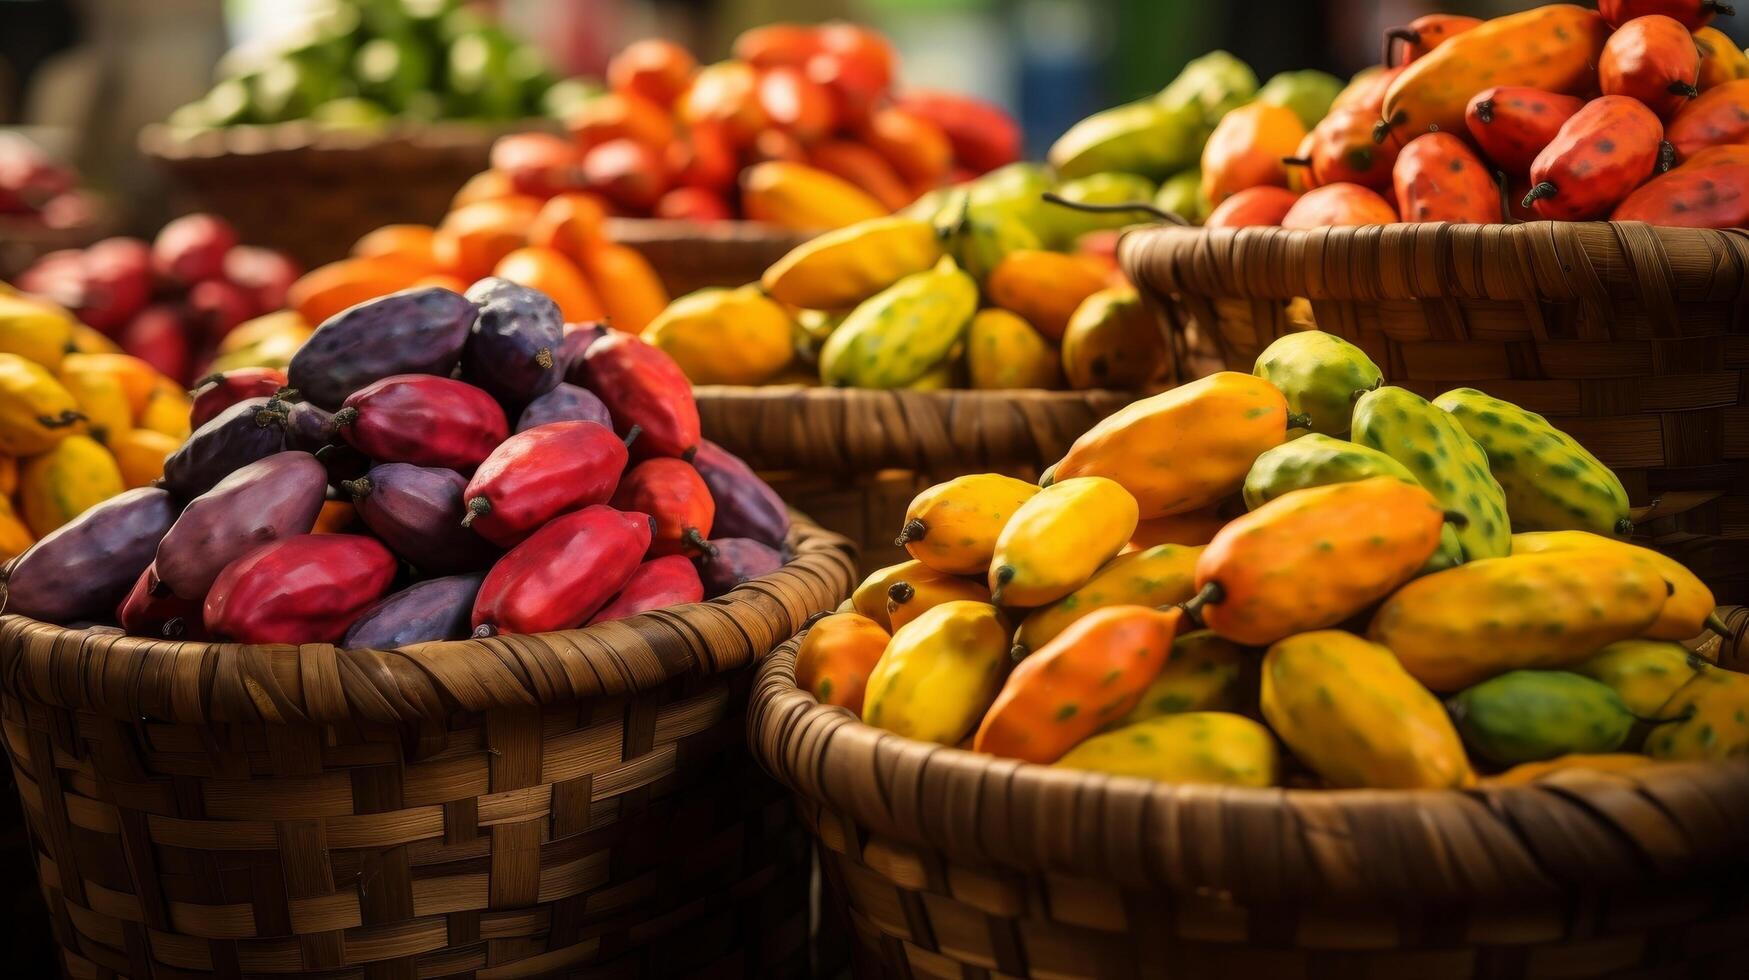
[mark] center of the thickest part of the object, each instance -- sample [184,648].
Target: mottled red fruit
[628,172]
[192,248]
[563,573]
[1339,204]
[983,136]
[1343,150]
[1439,178]
[1691,14]
[156,335]
[693,204]
[264,274]
[540,473]
[215,307]
[424,420]
[1652,59]
[307,588]
[1718,118]
[151,609]
[217,392]
[1252,206]
[538,164]
[642,386]
[118,282]
[1709,190]
[1404,44]
[657,584]
[1512,123]
[671,492]
[1607,149]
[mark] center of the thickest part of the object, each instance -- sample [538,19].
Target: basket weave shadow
[1632,338]
[341,184]
[578,803]
[853,458]
[953,864]
[689,255]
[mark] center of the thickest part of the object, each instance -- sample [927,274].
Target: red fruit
[1691,14]
[796,104]
[657,584]
[775,144]
[72,209]
[628,172]
[540,473]
[1423,35]
[642,386]
[983,136]
[856,87]
[777,44]
[1339,204]
[1719,117]
[538,164]
[1607,149]
[705,157]
[1652,59]
[264,274]
[693,204]
[654,69]
[1512,123]
[58,276]
[217,392]
[118,282]
[307,588]
[675,496]
[1252,206]
[1439,178]
[1342,149]
[423,419]
[28,178]
[215,306]
[157,336]
[862,47]
[151,609]
[1709,190]
[563,573]
[192,248]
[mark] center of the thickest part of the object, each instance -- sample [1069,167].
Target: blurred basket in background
[691,255]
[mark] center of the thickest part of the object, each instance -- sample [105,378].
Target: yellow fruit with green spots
[870,596]
[1113,341]
[36,410]
[1713,718]
[1443,457]
[725,336]
[100,395]
[836,657]
[1206,672]
[1686,612]
[844,267]
[939,673]
[1159,576]
[1003,351]
[59,485]
[1058,538]
[1195,747]
[915,593]
[953,526]
[1645,674]
[1321,375]
[895,336]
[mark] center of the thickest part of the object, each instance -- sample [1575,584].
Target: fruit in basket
[435,609]
[309,427]
[1554,47]
[1195,747]
[1346,545]
[1181,194]
[565,403]
[952,527]
[981,136]
[837,656]
[669,580]
[1158,576]
[1057,539]
[1338,204]
[1113,341]
[1342,149]
[1213,84]
[1320,374]
[250,430]
[81,570]
[1247,147]
[1708,718]
[898,334]
[733,561]
[986,234]
[1721,60]
[219,391]
[844,267]
[1705,191]
[414,331]
[1551,482]
[1004,351]
[1653,59]
[37,332]
[536,475]
[1600,155]
[1141,138]
[938,674]
[151,609]
[61,483]
[556,276]
[643,387]
[1206,672]
[1645,674]
[1043,288]
[36,410]
[1536,715]
[99,394]
[1532,772]
[1444,458]
[563,573]
[1308,93]
[1438,177]
[675,497]
[1691,14]
[1253,206]
[1686,610]
[1197,527]
[1538,611]
[923,588]
[269,499]
[422,419]
[306,588]
[510,350]
[418,512]
[140,455]
[724,336]
[1512,123]
[1425,33]
[870,596]
[791,195]
[747,507]
[1348,710]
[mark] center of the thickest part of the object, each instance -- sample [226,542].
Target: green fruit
[1551,482]
[568,95]
[1532,715]
[1321,374]
[983,234]
[479,76]
[1182,195]
[349,113]
[1213,85]
[392,71]
[1645,674]
[1409,429]
[1017,188]
[1067,224]
[897,335]
[1308,93]
[1146,138]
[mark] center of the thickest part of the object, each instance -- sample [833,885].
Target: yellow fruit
[140,454]
[724,336]
[1712,712]
[1195,747]
[1113,341]
[1003,351]
[924,588]
[952,527]
[86,340]
[1685,611]
[939,673]
[802,198]
[1159,576]
[59,485]
[36,410]
[8,476]
[249,333]
[870,597]
[100,396]
[137,378]
[844,267]
[167,411]
[1057,539]
[1206,672]
[15,538]
[1531,772]
[34,331]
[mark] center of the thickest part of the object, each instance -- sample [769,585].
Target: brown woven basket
[1632,338]
[953,864]
[689,255]
[24,240]
[574,803]
[854,458]
[311,192]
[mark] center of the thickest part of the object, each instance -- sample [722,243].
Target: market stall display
[42,206]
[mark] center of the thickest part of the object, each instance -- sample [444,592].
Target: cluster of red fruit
[35,187]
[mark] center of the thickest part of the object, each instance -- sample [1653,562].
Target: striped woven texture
[1634,339]
[689,255]
[567,804]
[950,864]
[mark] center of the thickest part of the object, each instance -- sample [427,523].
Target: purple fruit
[737,560]
[264,501]
[566,403]
[252,429]
[414,331]
[418,511]
[309,427]
[435,609]
[747,507]
[571,350]
[85,568]
[513,351]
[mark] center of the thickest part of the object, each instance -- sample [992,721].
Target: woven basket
[576,803]
[689,255]
[953,864]
[1634,339]
[854,458]
[24,240]
[311,192]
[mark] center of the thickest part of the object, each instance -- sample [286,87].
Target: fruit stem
[632,435]
[1722,9]
[1540,191]
[477,507]
[544,358]
[484,630]
[1624,527]
[692,539]
[1211,594]
[1296,161]
[1169,217]
[1666,156]
[1404,34]
[1018,652]
[1683,88]
[61,421]
[1382,131]
[1717,624]
[1298,420]
[1457,518]
[901,592]
[914,530]
[1485,110]
[359,488]
[346,416]
[1004,575]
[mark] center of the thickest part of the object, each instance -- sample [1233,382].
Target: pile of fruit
[801,129]
[1636,111]
[359,63]
[431,465]
[172,303]
[80,421]
[1301,555]
[35,188]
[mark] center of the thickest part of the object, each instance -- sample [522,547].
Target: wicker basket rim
[165,142]
[942,797]
[643,231]
[199,682]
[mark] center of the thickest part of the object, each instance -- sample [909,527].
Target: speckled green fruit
[1068,224]
[897,335]
[1712,718]
[1551,482]
[1646,674]
[1411,430]
[1321,374]
[1194,747]
[1206,672]
[982,235]
[1531,715]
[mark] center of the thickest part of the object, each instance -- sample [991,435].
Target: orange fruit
[567,221]
[487,185]
[654,69]
[328,289]
[621,115]
[550,272]
[630,290]
[411,243]
[471,240]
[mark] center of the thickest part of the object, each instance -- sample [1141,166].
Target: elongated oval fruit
[894,337]
[1709,190]
[1652,59]
[747,507]
[1467,624]
[59,485]
[1438,177]
[269,499]
[844,267]
[217,392]
[415,331]
[562,574]
[423,420]
[36,410]
[1608,148]
[1312,558]
[643,387]
[418,512]
[536,475]
[250,430]
[1535,715]
[1645,674]
[1349,711]
[1719,117]
[83,568]
[1206,672]
[725,336]
[512,349]
[1113,340]
[732,562]
[1691,14]
[1058,538]
[837,656]
[1533,772]
[1708,718]
[939,673]
[565,403]
[657,584]
[952,527]
[307,588]
[1686,613]
[309,427]
[1444,458]
[1512,123]
[925,588]
[435,609]
[1320,375]
[1195,747]
[1158,576]
[151,609]
[676,498]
